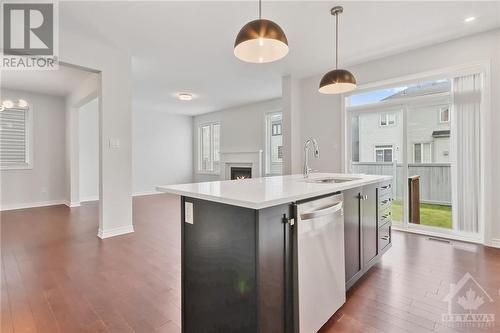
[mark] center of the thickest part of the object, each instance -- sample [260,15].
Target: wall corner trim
[72,204]
[112,232]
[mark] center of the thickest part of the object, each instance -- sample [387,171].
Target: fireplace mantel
[253,159]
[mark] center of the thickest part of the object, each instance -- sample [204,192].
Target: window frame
[383,148]
[29,143]
[386,116]
[422,152]
[200,169]
[268,133]
[441,109]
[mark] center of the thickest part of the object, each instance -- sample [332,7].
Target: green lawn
[432,215]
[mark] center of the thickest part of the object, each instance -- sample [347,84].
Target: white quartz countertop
[257,193]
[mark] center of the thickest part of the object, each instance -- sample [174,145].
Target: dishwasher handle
[322,212]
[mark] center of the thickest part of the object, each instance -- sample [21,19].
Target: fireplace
[241,172]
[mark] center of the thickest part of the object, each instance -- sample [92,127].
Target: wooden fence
[435,178]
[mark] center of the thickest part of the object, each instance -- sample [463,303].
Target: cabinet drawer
[384,217]
[384,236]
[385,189]
[384,203]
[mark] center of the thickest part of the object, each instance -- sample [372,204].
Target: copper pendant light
[337,81]
[260,41]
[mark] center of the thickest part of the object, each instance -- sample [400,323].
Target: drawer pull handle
[386,187]
[386,215]
[385,237]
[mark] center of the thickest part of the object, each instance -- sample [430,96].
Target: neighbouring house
[378,136]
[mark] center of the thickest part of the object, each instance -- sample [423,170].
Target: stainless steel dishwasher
[320,267]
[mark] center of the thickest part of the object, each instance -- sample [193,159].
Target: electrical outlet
[114,143]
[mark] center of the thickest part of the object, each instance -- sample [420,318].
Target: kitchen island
[276,254]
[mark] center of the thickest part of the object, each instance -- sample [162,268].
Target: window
[209,148]
[444,114]
[383,153]
[274,143]
[387,119]
[14,139]
[276,130]
[422,153]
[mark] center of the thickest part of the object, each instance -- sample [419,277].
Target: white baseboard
[494,242]
[115,231]
[65,202]
[139,194]
[33,205]
[72,204]
[91,198]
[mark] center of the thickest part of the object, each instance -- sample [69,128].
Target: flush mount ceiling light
[339,80]
[184,96]
[469,19]
[260,41]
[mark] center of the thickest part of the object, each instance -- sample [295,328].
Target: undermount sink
[330,180]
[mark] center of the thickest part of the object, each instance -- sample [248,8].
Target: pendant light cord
[336,41]
[260,9]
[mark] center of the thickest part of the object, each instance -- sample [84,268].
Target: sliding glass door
[405,132]
[377,148]
[429,159]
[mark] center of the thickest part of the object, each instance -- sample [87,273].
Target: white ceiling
[59,82]
[188,46]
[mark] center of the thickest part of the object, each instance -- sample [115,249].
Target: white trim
[29,146]
[422,152]
[437,234]
[383,147]
[386,115]
[494,242]
[72,204]
[91,198]
[33,205]
[211,125]
[112,232]
[444,108]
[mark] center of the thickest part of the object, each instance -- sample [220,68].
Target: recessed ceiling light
[469,19]
[8,104]
[184,96]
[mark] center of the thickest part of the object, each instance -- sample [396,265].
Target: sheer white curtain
[465,143]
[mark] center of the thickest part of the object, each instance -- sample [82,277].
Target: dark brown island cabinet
[238,264]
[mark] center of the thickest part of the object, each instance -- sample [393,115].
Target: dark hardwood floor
[57,276]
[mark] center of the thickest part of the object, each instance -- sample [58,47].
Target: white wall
[88,133]
[322,117]
[242,130]
[115,115]
[162,150]
[45,183]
